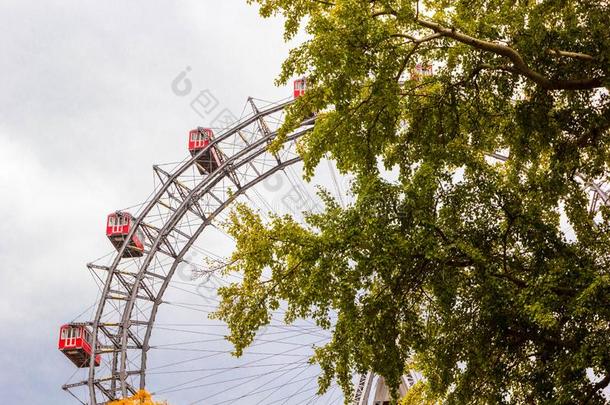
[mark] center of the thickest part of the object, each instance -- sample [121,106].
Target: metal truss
[362,394]
[183,205]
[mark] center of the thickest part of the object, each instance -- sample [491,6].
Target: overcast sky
[86,108]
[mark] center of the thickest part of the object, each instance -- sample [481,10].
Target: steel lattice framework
[181,207]
[184,204]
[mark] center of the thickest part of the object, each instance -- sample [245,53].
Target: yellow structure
[141,398]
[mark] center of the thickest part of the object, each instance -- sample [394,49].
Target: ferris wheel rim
[213,178]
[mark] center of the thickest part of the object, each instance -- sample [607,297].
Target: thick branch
[519,64]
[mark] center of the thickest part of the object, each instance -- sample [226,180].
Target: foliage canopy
[471,276]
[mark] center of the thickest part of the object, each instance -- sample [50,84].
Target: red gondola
[300,85]
[420,71]
[117,227]
[75,343]
[199,139]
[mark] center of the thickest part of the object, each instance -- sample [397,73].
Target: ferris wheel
[164,273]
[148,327]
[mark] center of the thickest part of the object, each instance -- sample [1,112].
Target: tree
[461,263]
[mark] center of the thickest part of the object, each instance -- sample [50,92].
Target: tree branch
[573,55]
[518,63]
[382,13]
[327,3]
[417,40]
